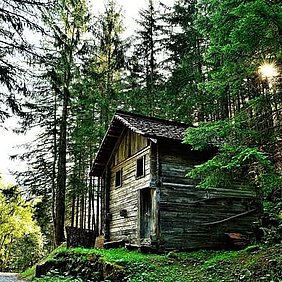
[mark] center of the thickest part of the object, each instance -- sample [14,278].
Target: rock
[43,269]
[87,267]
[172,255]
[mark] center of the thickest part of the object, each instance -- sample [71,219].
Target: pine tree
[109,60]
[186,47]
[68,33]
[18,18]
[65,25]
[144,64]
[241,36]
[97,98]
[75,95]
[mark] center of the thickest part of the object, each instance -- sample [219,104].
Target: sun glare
[268,70]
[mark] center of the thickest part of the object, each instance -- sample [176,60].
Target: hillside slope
[256,263]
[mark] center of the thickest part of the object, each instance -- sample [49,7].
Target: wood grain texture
[192,218]
[165,206]
[127,196]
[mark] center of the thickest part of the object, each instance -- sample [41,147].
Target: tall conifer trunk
[61,180]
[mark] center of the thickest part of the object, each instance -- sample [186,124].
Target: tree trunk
[97,228]
[72,210]
[61,180]
[77,211]
[53,185]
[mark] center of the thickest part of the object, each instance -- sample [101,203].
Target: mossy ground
[256,263]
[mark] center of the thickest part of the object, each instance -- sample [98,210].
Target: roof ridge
[128,124]
[179,123]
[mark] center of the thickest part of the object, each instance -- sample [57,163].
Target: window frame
[138,167]
[118,172]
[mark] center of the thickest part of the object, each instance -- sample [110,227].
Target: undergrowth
[256,263]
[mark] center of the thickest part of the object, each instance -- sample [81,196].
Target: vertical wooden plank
[158,191]
[155,183]
[101,197]
[98,212]
[138,195]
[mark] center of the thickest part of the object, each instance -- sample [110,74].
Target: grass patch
[256,263]
[28,274]
[53,278]
[219,257]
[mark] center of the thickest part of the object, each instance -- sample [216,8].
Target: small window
[118,178]
[140,167]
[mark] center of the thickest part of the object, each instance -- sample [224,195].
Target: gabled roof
[147,126]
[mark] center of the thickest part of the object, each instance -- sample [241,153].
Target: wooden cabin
[148,200]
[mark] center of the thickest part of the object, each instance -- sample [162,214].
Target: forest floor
[253,264]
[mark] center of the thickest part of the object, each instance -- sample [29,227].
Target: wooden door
[146,213]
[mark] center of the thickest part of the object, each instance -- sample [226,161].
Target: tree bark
[61,180]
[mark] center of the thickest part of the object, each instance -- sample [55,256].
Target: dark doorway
[146,212]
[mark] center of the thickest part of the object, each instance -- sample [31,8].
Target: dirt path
[9,277]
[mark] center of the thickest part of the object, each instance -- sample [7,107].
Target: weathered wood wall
[124,200]
[192,218]
[129,144]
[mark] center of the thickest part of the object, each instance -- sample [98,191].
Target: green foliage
[255,263]
[16,19]
[26,251]
[241,36]
[55,278]
[236,160]
[111,255]
[272,222]
[220,256]
[28,273]
[146,74]
[21,242]
[244,113]
[182,99]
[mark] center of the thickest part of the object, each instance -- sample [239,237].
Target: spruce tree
[65,23]
[246,106]
[145,63]
[186,48]
[97,97]
[18,19]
